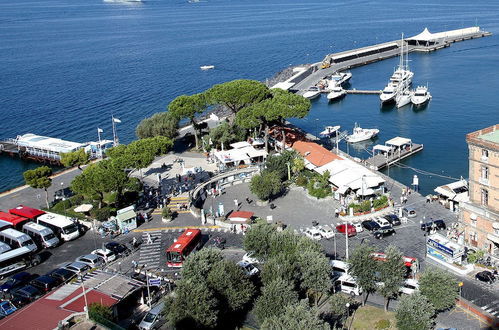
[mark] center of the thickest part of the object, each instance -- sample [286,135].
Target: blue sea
[67,66]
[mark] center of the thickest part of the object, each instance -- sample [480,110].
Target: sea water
[67,66]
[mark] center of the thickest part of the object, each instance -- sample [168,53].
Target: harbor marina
[391,152]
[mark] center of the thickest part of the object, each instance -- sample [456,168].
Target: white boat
[330,131]
[207,67]
[361,134]
[389,93]
[421,96]
[312,93]
[340,78]
[400,79]
[403,98]
[336,92]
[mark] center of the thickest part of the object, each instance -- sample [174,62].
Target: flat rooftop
[491,137]
[486,137]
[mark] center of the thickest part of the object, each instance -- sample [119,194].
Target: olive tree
[362,267]
[414,312]
[391,274]
[440,287]
[39,178]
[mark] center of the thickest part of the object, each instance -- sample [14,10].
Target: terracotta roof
[241,214]
[315,153]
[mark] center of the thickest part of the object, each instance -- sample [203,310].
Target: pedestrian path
[150,250]
[175,204]
[174,228]
[492,308]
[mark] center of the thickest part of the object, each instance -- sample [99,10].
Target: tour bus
[412,264]
[62,226]
[26,212]
[16,221]
[4,247]
[5,225]
[17,239]
[44,237]
[186,243]
[17,259]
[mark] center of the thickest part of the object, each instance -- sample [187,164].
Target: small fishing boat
[207,67]
[336,93]
[330,131]
[312,93]
[421,96]
[361,134]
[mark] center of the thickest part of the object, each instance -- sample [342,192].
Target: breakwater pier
[310,75]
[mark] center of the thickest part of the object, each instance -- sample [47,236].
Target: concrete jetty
[424,42]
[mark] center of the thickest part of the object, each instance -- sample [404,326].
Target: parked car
[25,295]
[382,222]
[437,224]
[409,212]
[105,254]
[313,233]
[7,308]
[343,229]
[339,268]
[410,286]
[326,231]
[347,284]
[248,268]
[384,231]
[45,283]
[118,248]
[485,276]
[358,227]
[62,275]
[248,257]
[91,259]
[393,219]
[15,281]
[152,319]
[370,225]
[79,268]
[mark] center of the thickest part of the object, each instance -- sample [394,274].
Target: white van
[62,226]
[410,286]
[347,284]
[313,233]
[382,222]
[152,319]
[16,239]
[339,267]
[4,247]
[43,236]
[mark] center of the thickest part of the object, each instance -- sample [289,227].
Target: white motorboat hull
[330,131]
[336,95]
[311,95]
[420,101]
[385,100]
[403,100]
[364,137]
[207,67]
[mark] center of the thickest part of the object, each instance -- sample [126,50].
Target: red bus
[411,263]
[15,220]
[182,247]
[27,212]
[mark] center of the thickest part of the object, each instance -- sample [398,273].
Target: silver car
[91,259]
[152,320]
[79,268]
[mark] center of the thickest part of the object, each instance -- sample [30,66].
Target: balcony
[484,181]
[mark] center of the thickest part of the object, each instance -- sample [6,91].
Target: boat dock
[394,150]
[424,42]
[360,91]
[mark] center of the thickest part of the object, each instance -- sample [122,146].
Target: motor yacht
[341,78]
[330,131]
[312,93]
[421,96]
[336,92]
[403,98]
[389,93]
[361,134]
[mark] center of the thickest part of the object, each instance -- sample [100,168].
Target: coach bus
[17,259]
[189,241]
[411,263]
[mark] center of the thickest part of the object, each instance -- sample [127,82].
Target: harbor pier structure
[310,75]
[391,152]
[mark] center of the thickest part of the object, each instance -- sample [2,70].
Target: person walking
[149,238]
[236,202]
[336,212]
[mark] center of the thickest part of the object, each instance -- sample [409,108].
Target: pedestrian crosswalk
[150,251]
[492,308]
[175,205]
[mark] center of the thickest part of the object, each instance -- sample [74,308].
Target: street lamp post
[346,238]
[289,171]
[148,289]
[84,297]
[334,239]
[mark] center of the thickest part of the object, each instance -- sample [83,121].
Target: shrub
[167,213]
[62,205]
[475,256]
[380,202]
[301,181]
[97,312]
[101,214]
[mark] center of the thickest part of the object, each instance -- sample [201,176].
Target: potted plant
[167,214]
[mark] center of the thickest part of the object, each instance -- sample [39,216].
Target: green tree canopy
[160,124]
[258,239]
[266,185]
[99,312]
[279,163]
[362,267]
[238,94]
[338,311]
[391,273]
[315,273]
[283,266]
[414,312]
[295,316]
[189,106]
[193,306]
[198,265]
[39,178]
[75,158]
[233,288]
[276,295]
[440,287]
[226,134]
